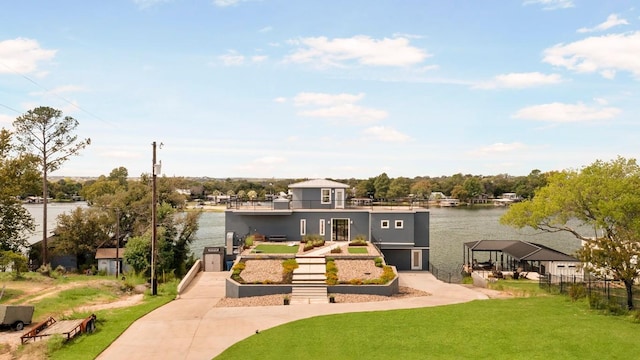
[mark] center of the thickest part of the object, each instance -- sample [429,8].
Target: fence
[446,276]
[612,290]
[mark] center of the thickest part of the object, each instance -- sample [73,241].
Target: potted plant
[286,299]
[332,299]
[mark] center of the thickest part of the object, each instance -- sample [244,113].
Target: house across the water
[320,207]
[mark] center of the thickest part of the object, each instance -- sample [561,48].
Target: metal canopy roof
[520,250]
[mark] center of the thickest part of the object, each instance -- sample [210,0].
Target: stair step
[309,282]
[310,260]
[309,293]
[303,277]
[310,269]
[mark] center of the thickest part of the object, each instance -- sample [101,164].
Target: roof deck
[311,205]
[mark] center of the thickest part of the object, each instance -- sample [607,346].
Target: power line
[54,94]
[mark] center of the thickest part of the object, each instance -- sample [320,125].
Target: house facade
[320,207]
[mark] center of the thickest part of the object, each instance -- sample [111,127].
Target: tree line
[605,195]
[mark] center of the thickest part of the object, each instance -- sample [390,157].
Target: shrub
[332,272]
[358,242]
[577,292]
[308,246]
[237,269]
[289,265]
[336,250]
[318,243]
[378,261]
[248,241]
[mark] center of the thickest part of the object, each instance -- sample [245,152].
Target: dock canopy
[518,254]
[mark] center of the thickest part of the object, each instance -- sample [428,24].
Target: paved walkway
[192,328]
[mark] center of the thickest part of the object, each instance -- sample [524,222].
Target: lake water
[450,229]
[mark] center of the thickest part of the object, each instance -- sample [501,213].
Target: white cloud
[265,29]
[386,134]
[22,55]
[612,21]
[259,58]
[60,90]
[270,160]
[500,148]
[520,80]
[601,101]
[337,106]
[225,3]
[6,121]
[232,58]
[351,112]
[605,54]
[551,4]
[364,50]
[323,99]
[565,113]
[143,4]
[280,100]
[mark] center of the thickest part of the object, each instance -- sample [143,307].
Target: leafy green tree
[17,171]
[365,188]
[381,185]
[421,189]
[399,188]
[252,194]
[473,187]
[81,232]
[45,134]
[16,261]
[137,254]
[527,186]
[459,192]
[603,195]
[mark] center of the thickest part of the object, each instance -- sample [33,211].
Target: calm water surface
[450,229]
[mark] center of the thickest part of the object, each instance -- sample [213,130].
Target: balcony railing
[261,205]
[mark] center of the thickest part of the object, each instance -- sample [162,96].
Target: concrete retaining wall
[237,290]
[187,279]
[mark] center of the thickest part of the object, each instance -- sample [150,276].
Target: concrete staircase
[309,281]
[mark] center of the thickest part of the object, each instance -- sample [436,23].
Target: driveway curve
[191,328]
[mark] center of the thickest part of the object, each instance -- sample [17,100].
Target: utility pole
[117,242]
[154,200]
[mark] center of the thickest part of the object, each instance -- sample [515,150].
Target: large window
[303,227]
[325,196]
[321,228]
[399,224]
[384,224]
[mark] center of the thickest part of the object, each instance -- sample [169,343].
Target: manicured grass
[549,327]
[358,250]
[276,249]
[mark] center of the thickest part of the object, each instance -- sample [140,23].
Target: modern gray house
[319,207]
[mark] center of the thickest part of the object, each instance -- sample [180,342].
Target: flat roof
[521,250]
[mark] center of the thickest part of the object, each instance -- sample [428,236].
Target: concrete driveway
[192,328]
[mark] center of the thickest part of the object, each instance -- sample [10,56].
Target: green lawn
[544,327]
[358,250]
[275,249]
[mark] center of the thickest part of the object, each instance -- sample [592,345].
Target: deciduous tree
[49,137]
[17,171]
[603,195]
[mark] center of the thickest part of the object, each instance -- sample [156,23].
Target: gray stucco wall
[289,225]
[404,235]
[401,258]
[421,229]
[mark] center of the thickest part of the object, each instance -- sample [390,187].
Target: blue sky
[340,89]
